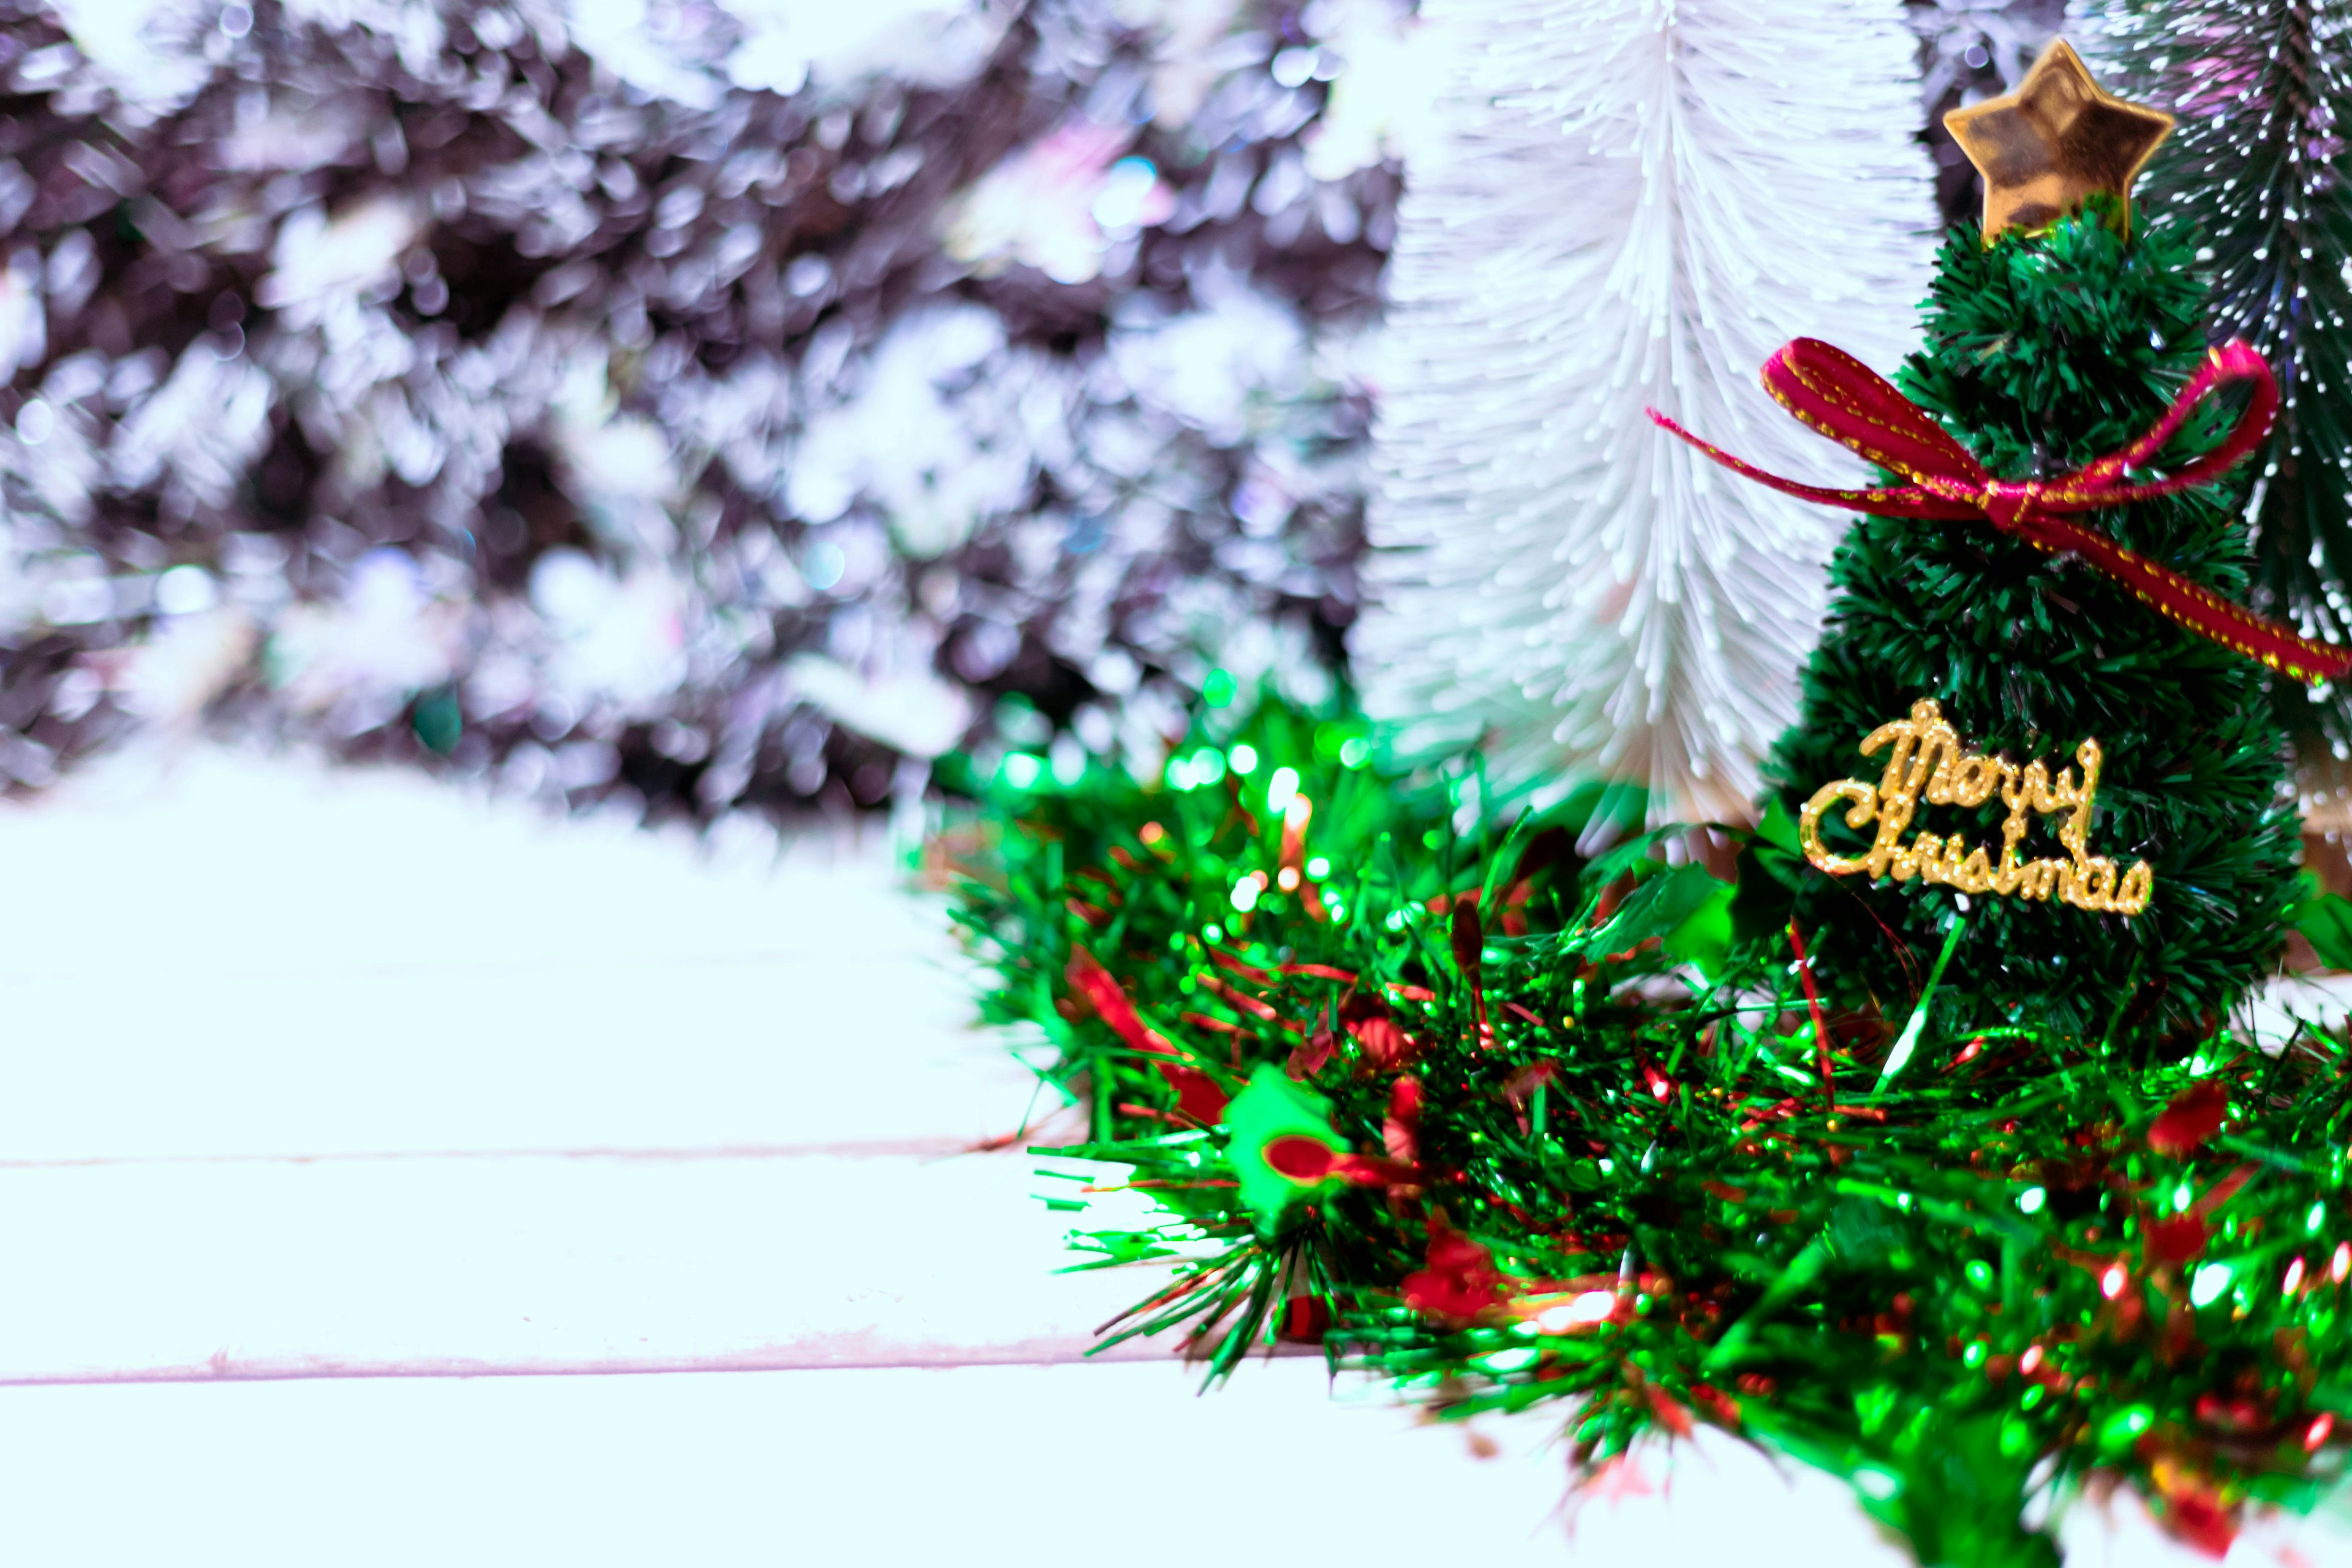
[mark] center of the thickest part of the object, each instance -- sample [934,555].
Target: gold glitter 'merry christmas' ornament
[2056,139]
[1929,761]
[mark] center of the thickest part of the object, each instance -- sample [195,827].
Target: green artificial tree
[2059,343]
[2255,169]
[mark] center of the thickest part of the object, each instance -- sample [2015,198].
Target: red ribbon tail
[1906,501]
[2194,606]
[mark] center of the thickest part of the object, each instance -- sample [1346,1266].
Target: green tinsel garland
[1507,1126]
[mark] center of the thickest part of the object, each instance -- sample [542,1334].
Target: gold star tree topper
[2056,139]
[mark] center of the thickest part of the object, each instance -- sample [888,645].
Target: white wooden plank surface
[234,957]
[983,1465]
[322,1095]
[976,1466]
[787,1051]
[440,1265]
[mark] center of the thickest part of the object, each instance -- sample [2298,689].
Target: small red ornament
[1519,1088]
[2195,1512]
[1312,1054]
[1197,1094]
[1401,1133]
[1310,1162]
[1461,1281]
[1468,938]
[1672,1414]
[1306,1161]
[2230,1415]
[1305,1320]
[1469,942]
[2177,1239]
[1376,1032]
[2201,1522]
[1719,1406]
[2194,1115]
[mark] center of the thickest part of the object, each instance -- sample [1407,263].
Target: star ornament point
[2058,138]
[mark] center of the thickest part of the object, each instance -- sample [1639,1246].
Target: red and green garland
[1513,1127]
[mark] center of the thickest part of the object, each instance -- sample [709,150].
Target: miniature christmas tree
[2262,88]
[2055,339]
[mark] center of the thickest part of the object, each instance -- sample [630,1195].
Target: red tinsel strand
[1814,1005]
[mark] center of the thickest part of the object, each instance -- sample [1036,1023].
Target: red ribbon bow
[1841,397]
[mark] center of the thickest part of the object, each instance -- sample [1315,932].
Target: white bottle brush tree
[1625,203]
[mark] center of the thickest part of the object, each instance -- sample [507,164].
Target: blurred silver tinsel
[697,405]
